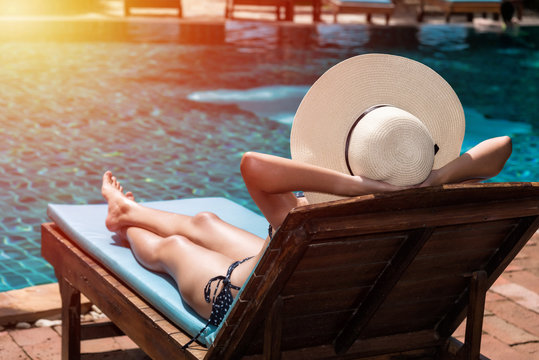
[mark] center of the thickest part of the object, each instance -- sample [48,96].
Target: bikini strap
[221,301]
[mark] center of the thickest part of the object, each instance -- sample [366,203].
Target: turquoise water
[173,120]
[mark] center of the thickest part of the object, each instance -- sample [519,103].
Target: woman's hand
[433,179]
[483,161]
[368,185]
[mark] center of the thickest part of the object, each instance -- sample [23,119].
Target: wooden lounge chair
[278,5]
[368,277]
[468,7]
[174,4]
[368,7]
[315,5]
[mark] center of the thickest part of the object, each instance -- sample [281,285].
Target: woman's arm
[270,181]
[481,162]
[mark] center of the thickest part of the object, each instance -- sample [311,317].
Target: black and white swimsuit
[222,301]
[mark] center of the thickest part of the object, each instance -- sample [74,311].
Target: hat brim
[346,90]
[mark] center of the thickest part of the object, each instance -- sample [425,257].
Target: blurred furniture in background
[175,4]
[284,9]
[468,7]
[368,7]
[316,7]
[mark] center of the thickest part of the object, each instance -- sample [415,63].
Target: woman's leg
[191,265]
[204,229]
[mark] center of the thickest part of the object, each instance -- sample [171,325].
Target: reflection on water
[71,110]
[276,102]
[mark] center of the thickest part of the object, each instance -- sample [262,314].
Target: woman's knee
[171,245]
[174,241]
[206,219]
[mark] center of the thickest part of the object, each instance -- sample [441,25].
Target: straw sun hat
[385,117]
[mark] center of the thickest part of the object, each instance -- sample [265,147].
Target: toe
[106,176]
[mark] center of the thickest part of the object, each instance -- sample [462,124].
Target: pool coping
[33,303]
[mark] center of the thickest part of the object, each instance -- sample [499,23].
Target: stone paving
[511,323]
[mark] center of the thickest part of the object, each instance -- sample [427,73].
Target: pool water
[173,120]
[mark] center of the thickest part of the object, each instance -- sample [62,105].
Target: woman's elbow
[249,163]
[507,146]
[504,150]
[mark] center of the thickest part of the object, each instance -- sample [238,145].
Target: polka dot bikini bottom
[221,301]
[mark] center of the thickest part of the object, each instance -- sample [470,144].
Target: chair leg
[70,320]
[420,11]
[228,9]
[317,11]
[474,320]
[126,9]
[289,11]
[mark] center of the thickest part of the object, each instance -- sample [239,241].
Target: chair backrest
[379,273]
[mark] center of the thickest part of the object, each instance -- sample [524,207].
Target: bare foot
[119,203]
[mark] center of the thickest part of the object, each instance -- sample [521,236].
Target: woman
[415,141]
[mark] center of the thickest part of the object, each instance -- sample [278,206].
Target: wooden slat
[352,250]
[396,343]
[363,314]
[401,318]
[414,218]
[425,198]
[428,288]
[302,282]
[447,265]
[392,345]
[321,302]
[474,203]
[487,235]
[305,331]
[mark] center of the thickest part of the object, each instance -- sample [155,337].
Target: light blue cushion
[85,224]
